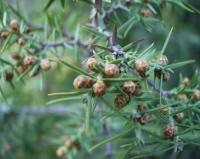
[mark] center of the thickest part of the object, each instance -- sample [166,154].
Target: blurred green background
[30,136]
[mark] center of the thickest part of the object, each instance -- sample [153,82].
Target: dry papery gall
[169,131]
[129,87]
[111,70]
[145,13]
[30,60]
[90,63]
[141,66]
[14,25]
[164,60]
[179,116]
[186,82]
[99,88]
[82,81]
[196,95]
[121,101]
[21,41]
[61,151]
[4,34]
[45,64]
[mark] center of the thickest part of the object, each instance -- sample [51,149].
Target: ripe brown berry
[196,95]
[21,41]
[9,76]
[4,34]
[69,143]
[169,131]
[30,60]
[45,64]
[186,82]
[99,88]
[111,70]
[183,97]
[121,101]
[129,87]
[141,66]
[90,63]
[16,56]
[82,81]
[14,25]
[61,151]
[164,60]
[145,12]
[179,116]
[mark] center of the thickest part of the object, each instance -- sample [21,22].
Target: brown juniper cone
[196,95]
[22,68]
[186,82]
[45,64]
[90,63]
[169,131]
[29,60]
[21,41]
[99,88]
[111,70]
[121,101]
[165,75]
[145,12]
[69,143]
[61,151]
[129,87]
[4,34]
[14,25]
[9,76]
[164,60]
[16,56]
[82,81]
[183,97]
[164,111]
[137,92]
[179,116]
[142,119]
[141,66]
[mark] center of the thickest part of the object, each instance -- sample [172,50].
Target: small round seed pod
[21,68]
[9,76]
[21,41]
[121,101]
[186,82]
[129,87]
[137,91]
[141,66]
[179,116]
[61,151]
[16,56]
[164,60]
[14,25]
[99,88]
[169,131]
[29,60]
[182,97]
[145,13]
[164,111]
[196,95]
[4,34]
[82,81]
[45,64]
[69,143]
[111,70]
[90,63]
